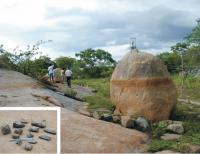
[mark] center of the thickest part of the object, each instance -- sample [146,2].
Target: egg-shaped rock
[141,86]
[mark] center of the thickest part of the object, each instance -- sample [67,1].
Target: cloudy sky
[75,25]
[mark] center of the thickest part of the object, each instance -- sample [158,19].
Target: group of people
[67,75]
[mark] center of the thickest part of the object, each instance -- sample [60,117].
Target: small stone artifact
[32,141]
[49,130]
[15,136]
[41,124]
[18,131]
[45,137]
[24,121]
[5,130]
[34,129]
[18,124]
[28,147]
[29,135]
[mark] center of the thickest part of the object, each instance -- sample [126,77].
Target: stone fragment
[15,136]
[18,131]
[5,130]
[41,124]
[45,137]
[170,137]
[50,131]
[29,135]
[141,85]
[24,121]
[28,147]
[34,129]
[175,128]
[18,124]
[141,124]
[106,117]
[32,141]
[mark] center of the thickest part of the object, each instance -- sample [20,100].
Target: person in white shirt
[50,73]
[68,74]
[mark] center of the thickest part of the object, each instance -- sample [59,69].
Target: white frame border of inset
[58,113]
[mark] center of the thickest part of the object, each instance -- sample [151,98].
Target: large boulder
[141,87]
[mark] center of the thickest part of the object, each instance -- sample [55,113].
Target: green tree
[194,36]
[64,62]
[95,62]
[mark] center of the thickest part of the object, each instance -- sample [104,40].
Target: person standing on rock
[68,74]
[50,73]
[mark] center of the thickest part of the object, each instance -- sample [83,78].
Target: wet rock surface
[5,130]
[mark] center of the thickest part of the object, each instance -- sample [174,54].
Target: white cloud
[157,24]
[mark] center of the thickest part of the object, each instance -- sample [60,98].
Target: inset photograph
[28,131]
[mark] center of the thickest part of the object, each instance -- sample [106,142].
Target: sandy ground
[8,117]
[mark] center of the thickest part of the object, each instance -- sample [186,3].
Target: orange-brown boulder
[141,86]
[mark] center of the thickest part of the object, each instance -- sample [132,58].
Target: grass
[101,99]
[190,89]
[188,113]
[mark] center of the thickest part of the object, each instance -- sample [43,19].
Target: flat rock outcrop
[78,133]
[81,134]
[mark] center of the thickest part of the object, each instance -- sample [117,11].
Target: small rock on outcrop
[107,117]
[170,137]
[176,128]
[141,124]
[5,130]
